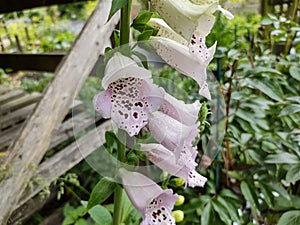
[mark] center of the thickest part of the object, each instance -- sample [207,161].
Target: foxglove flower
[193,20]
[180,111]
[183,15]
[166,160]
[174,135]
[191,60]
[154,203]
[130,95]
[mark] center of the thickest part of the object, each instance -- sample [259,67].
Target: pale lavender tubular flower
[174,135]
[130,95]
[154,203]
[180,111]
[166,160]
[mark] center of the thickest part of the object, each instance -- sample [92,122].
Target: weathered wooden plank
[35,204]
[15,117]
[19,103]
[66,159]
[28,150]
[7,136]
[4,90]
[17,5]
[37,62]
[9,96]
[82,121]
[12,120]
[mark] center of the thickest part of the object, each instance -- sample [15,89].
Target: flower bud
[178,215]
[203,112]
[177,182]
[180,200]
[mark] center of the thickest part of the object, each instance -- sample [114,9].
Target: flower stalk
[124,39]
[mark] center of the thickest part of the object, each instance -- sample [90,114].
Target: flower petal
[182,15]
[179,57]
[102,103]
[166,160]
[169,132]
[180,111]
[151,200]
[204,91]
[120,66]
[165,31]
[225,12]
[133,99]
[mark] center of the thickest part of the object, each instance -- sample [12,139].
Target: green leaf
[100,215]
[293,174]
[142,18]
[295,72]
[129,212]
[290,109]
[259,70]
[265,88]
[229,207]
[206,214]
[282,157]
[222,211]
[103,189]
[290,218]
[81,221]
[116,5]
[250,195]
[145,35]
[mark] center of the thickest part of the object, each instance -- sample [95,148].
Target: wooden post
[18,43]
[34,139]
[2,45]
[6,30]
[27,33]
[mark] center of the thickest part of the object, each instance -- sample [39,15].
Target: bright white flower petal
[154,203]
[120,66]
[182,15]
[165,31]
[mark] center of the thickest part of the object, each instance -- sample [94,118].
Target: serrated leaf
[290,109]
[250,195]
[116,5]
[290,218]
[295,72]
[293,174]
[103,189]
[283,157]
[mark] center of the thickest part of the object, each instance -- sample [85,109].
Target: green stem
[125,23]
[124,39]
[119,190]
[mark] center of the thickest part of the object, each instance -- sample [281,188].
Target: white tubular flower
[183,15]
